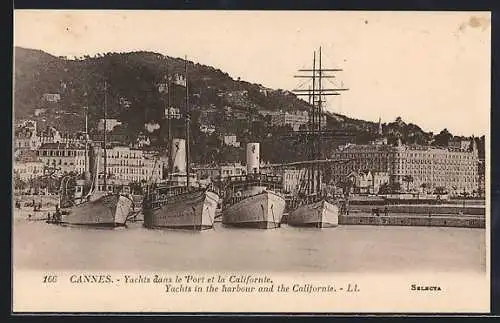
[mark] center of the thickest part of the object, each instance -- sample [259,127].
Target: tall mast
[318,139]
[315,132]
[86,139]
[313,129]
[168,120]
[105,130]
[309,142]
[188,124]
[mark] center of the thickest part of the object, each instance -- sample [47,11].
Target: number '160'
[50,279]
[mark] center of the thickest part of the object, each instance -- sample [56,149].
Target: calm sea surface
[41,246]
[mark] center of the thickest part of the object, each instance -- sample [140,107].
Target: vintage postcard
[251,161]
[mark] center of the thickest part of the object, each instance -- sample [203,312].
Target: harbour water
[344,249]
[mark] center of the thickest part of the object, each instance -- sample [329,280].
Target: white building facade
[132,165]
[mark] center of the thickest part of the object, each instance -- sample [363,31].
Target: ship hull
[261,211]
[317,215]
[189,211]
[107,211]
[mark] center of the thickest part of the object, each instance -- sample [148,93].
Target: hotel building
[375,158]
[28,166]
[64,158]
[413,167]
[123,163]
[131,165]
[220,171]
[294,120]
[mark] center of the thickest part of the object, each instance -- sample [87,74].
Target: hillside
[135,98]
[132,77]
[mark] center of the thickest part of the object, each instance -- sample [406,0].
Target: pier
[442,220]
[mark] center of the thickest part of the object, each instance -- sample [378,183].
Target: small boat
[253,200]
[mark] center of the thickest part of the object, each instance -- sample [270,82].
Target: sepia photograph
[261,161]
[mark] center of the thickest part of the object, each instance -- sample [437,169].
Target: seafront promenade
[424,209]
[452,213]
[399,219]
[43,202]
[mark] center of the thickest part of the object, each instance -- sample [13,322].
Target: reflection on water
[41,246]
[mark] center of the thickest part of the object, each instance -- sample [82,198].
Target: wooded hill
[135,98]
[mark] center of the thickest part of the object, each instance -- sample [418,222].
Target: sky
[429,68]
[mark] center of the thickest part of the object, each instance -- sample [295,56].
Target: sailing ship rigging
[312,206]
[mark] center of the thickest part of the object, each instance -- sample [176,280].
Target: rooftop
[383,147]
[354,147]
[58,145]
[26,156]
[23,133]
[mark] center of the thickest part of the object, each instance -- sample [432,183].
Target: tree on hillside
[443,138]
[363,137]
[417,138]
[480,144]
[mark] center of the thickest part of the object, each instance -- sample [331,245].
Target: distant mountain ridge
[134,96]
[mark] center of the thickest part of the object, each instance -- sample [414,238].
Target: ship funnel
[178,156]
[94,154]
[253,159]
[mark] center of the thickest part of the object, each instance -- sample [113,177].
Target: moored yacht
[179,203]
[175,205]
[80,200]
[253,200]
